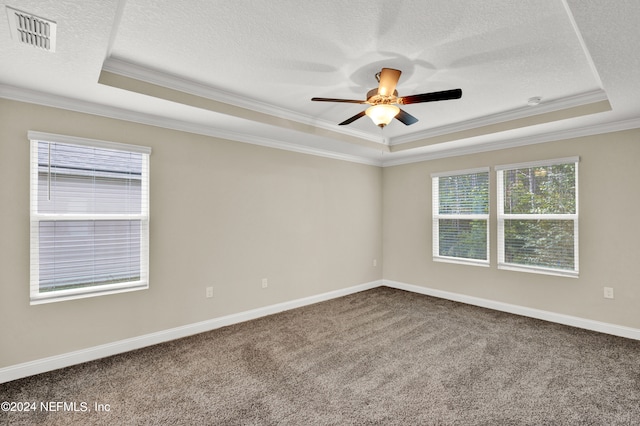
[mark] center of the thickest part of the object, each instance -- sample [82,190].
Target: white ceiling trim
[585,50]
[45,99]
[130,70]
[555,136]
[137,72]
[501,117]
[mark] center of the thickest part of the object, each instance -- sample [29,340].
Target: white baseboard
[84,355]
[65,360]
[587,324]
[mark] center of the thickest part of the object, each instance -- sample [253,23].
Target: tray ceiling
[247,70]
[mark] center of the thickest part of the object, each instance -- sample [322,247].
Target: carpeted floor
[382,356]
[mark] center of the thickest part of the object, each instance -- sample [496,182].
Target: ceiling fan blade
[431,97]
[352,119]
[350,101]
[406,118]
[388,81]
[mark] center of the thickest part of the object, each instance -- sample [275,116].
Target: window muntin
[89,217]
[538,216]
[461,216]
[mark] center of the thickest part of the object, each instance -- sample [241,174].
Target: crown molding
[49,100]
[127,69]
[131,70]
[596,129]
[46,99]
[578,100]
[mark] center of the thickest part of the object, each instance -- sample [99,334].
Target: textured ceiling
[247,70]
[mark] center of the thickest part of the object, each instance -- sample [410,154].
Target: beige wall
[223,214]
[227,214]
[609,177]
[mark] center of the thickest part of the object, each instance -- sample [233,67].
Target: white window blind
[538,216]
[89,217]
[461,216]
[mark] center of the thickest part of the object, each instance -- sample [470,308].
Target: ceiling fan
[384,99]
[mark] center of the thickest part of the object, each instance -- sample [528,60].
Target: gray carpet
[382,356]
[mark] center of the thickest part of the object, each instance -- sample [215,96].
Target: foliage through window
[461,216]
[89,217]
[538,216]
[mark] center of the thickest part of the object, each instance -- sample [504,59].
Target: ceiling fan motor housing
[375,98]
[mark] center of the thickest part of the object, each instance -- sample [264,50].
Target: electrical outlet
[265,283]
[608,293]
[209,293]
[375,262]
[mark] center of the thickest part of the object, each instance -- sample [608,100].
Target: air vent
[32,30]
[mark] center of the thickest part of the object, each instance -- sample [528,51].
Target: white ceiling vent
[32,30]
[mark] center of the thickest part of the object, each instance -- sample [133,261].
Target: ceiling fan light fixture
[382,114]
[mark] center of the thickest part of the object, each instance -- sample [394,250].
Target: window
[461,216]
[538,216]
[89,217]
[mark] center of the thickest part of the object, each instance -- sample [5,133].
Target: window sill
[82,293]
[538,270]
[461,261]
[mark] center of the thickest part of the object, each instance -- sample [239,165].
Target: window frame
[39,297]
[436,216]
[502,216]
